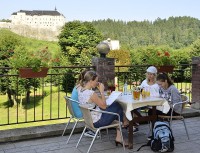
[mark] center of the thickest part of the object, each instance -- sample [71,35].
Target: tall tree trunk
[28,96]
[21,101]
[14,99]
[9,93]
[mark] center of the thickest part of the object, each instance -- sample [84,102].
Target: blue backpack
[162,139]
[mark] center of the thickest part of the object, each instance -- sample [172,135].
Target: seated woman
[74,94]
[150,84]
[150,81]
[87,95]
[77,111]
[169,92]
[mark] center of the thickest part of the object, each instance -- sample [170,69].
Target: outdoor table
[130,108]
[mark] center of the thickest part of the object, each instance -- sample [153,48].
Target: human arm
[100,101]
[143,84]
[175,95]
[175,98]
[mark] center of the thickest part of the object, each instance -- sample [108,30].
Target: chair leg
[149,133]
[106,131]
[72,131]
[66,126]
[100,135]
[120,129]
[80,137]
[93,140]
[185,128]
[107,134]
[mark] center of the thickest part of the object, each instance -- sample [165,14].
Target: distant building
[6,25]
[39,19]
[114,44]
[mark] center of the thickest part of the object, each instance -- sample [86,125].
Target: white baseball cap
[152,69]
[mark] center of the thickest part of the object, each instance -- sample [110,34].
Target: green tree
[177,32]
[5,20]
[78,41]
[122,56]
[195,48]
[8,42]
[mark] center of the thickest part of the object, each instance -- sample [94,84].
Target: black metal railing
[24,100]
[41,99]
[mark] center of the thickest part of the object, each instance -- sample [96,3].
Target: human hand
[101,87]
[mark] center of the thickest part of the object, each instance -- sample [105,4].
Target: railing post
[196,82]
[105,67]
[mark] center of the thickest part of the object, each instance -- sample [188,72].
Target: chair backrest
[70,103]
[184,99]
[75,105]
[87,116]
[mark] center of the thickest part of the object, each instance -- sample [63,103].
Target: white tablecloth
[129,104]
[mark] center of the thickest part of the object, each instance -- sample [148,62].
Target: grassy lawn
[38,109]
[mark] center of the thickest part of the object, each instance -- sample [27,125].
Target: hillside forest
[179,35]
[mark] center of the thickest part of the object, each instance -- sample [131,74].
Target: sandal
[117,142]
[125,126]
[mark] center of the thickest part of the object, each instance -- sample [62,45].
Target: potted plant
[162,59]
[31,64]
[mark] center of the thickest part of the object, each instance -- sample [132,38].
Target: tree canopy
[8,42]
[177,32]
[78,41]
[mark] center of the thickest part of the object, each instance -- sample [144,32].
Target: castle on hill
[39,24]
[38,19]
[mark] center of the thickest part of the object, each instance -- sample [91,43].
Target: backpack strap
[148,144]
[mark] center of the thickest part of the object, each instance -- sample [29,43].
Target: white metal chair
[73,116]
[185,101]
[86,110]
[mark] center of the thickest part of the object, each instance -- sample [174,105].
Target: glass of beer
[108,92]
[143,93]
[136,94]
[147,91]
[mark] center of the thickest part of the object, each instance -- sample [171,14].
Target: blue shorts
[107,119]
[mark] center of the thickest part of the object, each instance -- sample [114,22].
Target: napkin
[164,108]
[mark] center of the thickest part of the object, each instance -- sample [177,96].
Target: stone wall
[196,82]
[105,67]
[37,33]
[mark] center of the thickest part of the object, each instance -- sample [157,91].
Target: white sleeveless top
[84,97]
[154,88]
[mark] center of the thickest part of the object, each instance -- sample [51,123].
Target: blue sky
[88,10]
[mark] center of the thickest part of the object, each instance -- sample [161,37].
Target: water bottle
[125,88]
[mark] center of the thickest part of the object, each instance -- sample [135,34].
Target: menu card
[113,96]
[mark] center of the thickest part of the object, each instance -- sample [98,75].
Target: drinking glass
[108,92]
[147,92]
[143,93]
[136,94]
